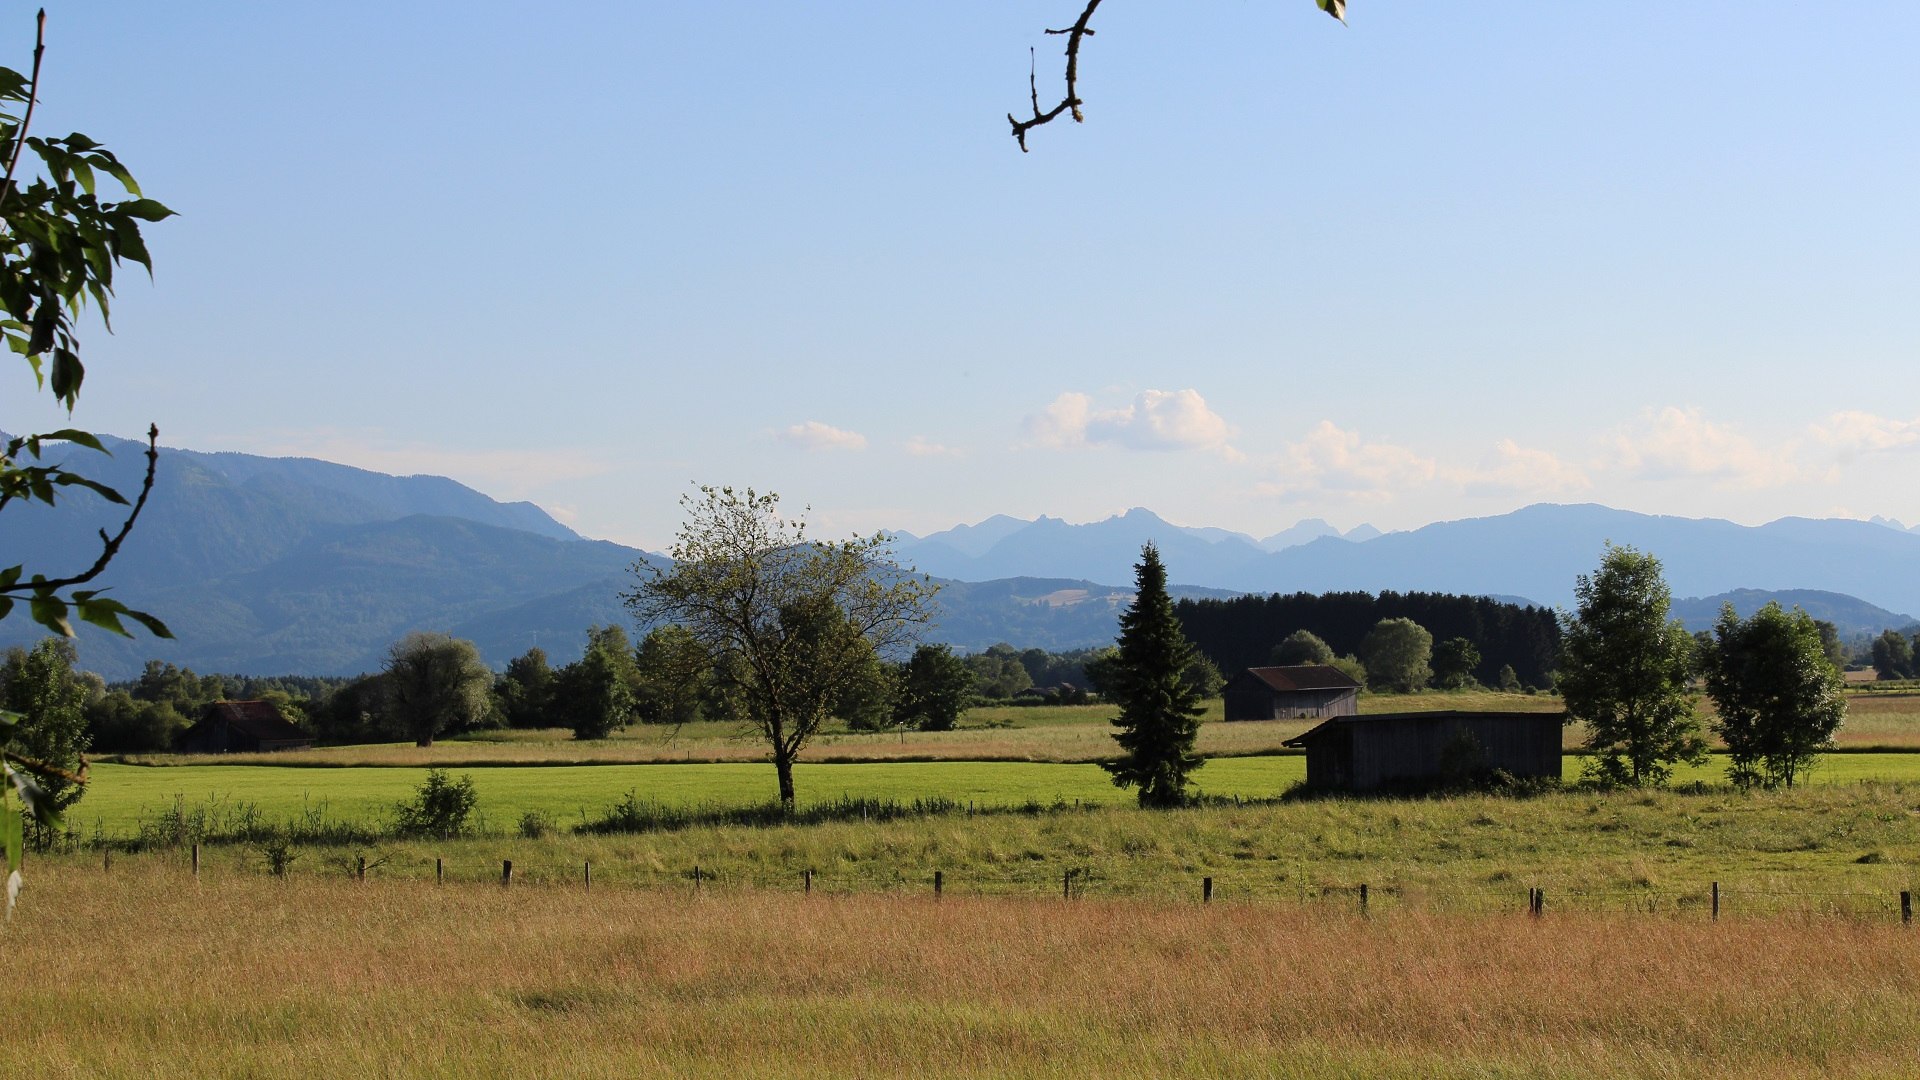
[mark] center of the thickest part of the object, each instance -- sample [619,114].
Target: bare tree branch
[1071,101]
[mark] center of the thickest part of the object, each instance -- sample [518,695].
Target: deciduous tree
[1159,705]
[1454,661]
[436,683]
[676,677]
[1626,671]
[41,687]
[791,622]
[596,694]
[1397,652]
[934,686]
[1777,694]
[1892,655]
[1302,647]
[525,690]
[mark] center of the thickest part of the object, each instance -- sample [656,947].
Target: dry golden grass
[133,975]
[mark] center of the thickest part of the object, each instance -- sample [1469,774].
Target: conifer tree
[1159,707]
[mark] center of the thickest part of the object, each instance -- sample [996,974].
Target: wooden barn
[236,727]
[1291,692]
[1425,749]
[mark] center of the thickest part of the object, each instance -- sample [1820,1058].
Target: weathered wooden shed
[1291,692]
[233,727]
[1423,749]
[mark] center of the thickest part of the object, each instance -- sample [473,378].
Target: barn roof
[258,719]
[1435,715]
[1304,677]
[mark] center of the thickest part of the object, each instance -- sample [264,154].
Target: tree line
[1242,631]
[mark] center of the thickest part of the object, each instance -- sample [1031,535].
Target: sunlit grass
[137,973]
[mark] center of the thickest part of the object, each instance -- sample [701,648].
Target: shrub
[440,807]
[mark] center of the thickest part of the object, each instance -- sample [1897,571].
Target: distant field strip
[120,796]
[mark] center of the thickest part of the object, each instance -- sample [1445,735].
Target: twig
[110,545]
[1074,34]
[33,96]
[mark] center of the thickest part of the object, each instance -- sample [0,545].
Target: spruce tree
[1159,708]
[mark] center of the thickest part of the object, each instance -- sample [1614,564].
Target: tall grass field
[136,973]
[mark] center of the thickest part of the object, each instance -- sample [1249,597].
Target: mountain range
[289,565]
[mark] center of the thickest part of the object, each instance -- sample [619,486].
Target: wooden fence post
[1206,890]
[106,859]
[1363,898]
[1716,901]
[939,880]
[1066,885]
[696,877]
[1906,907]
[360,868]
[439,871]
[586,872]
[806,879]
[196,860]
[506,872]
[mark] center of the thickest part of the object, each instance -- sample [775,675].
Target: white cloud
[1855,432]
[1154,420]
[1512,469]
[1338,463]
[1673,443]
[921,446]
[814,435]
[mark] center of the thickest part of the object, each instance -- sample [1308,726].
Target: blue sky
[1446,261]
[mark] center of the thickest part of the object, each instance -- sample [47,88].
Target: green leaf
[104,614]
[144,209]
[13,836]
[83,173]
[154,626]
[66,375]
[8,719]
[1335,8]
[33,797]
[74,435]
[51,612]
[67,479]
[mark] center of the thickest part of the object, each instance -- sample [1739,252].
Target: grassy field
[1876,720]
[120,797]
[992,733]
[1830,847]
[135,976]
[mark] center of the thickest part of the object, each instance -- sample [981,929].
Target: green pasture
[121,796]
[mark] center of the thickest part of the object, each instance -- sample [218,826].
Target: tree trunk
[783,767]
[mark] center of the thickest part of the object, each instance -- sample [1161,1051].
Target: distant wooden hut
[236,727]
[1291,692]
[1424,749]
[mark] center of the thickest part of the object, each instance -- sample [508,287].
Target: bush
[440,807]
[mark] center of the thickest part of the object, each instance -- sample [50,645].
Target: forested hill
[1241,632]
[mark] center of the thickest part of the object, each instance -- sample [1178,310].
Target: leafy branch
[38,483]
[1070,102]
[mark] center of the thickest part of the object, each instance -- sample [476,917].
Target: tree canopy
[1777,695]
[792,623]
[437,684]
[1397,654]
[1626,671]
